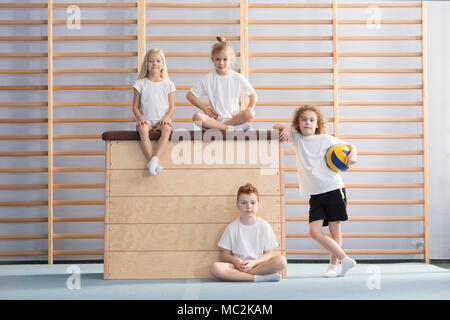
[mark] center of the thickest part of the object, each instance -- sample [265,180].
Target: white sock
[159,169]
[244,126]
[346,264]
[151,165]
[332,271]
[273,277]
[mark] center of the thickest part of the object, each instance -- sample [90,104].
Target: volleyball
[336,157]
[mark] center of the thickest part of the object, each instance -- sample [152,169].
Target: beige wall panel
[190,182]
[147,237]
[199,154]
[211,209]
[162,265]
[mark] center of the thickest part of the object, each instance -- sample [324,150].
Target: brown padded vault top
[208,135]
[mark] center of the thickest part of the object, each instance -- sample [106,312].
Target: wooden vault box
[168,226]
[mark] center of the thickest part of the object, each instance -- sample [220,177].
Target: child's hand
[285,134]
[165,121]
[141,123]
[211,113]
[246,266]
[235,113]
[351,158]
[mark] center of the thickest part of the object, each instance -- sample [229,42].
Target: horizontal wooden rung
[358,251]
[78,202]
[22,203]
[78,169]
[22,236]
[77,235]
[366,218]
[24,253]
[377,152]
[23,153]
[192,21]
[22,220]
[77,219]
[77,252]
[79,153]
[364,202]
[363,235]
[372,169]
[22,170]
[371,185]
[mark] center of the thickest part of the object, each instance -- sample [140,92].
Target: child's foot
[244,126]
[332,271]
[346,264]
[273,277]
[152,165]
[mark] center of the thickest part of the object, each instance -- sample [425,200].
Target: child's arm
[201,105]
[252,99]
[285,131]
[351,158]
[137,108]
[227,256]
[166,119]
[246,266]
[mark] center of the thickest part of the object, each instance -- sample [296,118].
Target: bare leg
[145,143]
[208,122]
[336,234]
[315,231]
[163,140]
[244,116]
[273,265]
[227,272]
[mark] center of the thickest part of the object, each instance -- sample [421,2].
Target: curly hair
[247,189]
[321,120]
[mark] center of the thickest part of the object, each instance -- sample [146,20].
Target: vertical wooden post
[425,134]
[141,33]
[244,45]
[50,129]
[335,73]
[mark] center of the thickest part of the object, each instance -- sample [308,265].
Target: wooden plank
[363,235]
[168,237]
[50,194]
[190,182]
[244,46]
[212,209]
[141,33]
[162,265]
[199,154]
[426,227]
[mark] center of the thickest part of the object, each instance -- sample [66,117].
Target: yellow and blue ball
[336,157]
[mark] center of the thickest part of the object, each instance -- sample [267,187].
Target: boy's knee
[250,114]
[197,117]
[215,269]
[281,261]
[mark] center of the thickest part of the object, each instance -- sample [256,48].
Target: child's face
[154,63]
[222,62]
[308,123]
[248,205]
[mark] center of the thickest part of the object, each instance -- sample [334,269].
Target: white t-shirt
[314,176]
[154,97]
[223,92]
[248,242]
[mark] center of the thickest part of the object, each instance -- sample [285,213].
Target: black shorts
[329,206]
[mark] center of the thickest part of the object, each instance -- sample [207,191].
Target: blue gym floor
[304,281]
